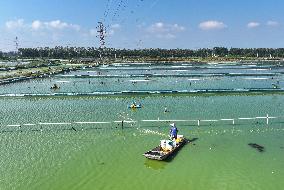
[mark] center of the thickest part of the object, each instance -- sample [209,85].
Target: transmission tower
[16,44]
[101,29]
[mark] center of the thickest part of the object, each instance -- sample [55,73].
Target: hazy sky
[143,23]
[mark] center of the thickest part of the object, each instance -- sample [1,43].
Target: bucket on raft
[167,145]
[179,138]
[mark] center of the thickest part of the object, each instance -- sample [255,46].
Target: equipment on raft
[133,106]
[166,148]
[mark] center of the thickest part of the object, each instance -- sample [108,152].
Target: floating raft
[158,154]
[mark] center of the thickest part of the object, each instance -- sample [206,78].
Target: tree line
[60,52]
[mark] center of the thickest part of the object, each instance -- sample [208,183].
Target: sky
[134,24]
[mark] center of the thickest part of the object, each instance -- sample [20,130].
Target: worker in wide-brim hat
[173,131]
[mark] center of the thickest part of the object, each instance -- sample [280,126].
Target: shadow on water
[171,157]
[191,140]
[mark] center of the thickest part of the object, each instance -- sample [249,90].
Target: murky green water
[47,145]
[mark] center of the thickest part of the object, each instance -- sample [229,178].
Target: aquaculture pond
[73,138]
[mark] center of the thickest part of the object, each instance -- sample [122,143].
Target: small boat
[275,86]
[158,153]
[134,106]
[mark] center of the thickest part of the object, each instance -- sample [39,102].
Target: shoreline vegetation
[29,63]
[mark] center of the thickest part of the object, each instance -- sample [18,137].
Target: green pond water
[46,144]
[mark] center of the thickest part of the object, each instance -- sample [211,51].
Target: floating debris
[257,146]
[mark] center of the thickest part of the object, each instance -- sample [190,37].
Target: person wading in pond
[173,131]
